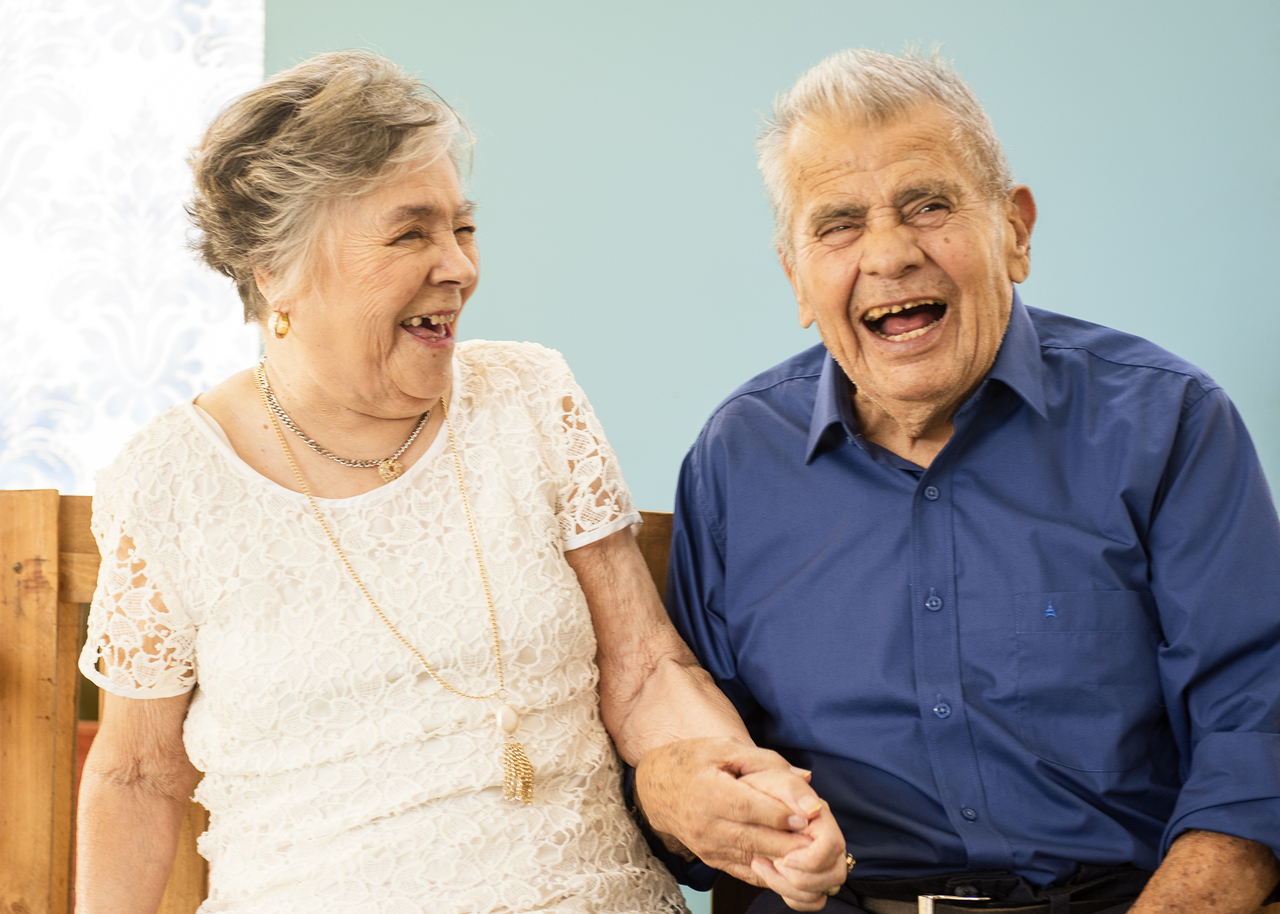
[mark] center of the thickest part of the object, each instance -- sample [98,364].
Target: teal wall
[622,220]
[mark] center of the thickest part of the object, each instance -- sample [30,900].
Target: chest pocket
[1088,682]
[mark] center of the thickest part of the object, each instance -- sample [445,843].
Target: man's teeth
[432,318]
[876,313]
[910,334]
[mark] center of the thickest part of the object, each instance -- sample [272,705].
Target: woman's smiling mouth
[899,323]
[430,326]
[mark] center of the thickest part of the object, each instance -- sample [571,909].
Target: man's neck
[914,431]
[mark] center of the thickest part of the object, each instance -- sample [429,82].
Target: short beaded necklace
[517,772]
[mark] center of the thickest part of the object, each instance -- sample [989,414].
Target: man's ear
[1020,210]
[789,267]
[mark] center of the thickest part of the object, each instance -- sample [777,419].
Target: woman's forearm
[694,758]
[134,792]
[652,690]
[126,838]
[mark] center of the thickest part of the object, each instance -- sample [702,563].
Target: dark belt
[1088,890]
[957,904]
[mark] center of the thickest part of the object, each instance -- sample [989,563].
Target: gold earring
[278,323]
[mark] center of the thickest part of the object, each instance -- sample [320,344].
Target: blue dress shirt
[1058,644]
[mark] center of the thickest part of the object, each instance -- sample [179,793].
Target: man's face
[904,262]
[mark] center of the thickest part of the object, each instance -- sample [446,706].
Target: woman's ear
[263,280]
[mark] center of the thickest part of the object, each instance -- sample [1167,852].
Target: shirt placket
[940,691]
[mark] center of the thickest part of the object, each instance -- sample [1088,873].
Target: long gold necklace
[517,772]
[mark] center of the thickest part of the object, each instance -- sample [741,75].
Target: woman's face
[374,322]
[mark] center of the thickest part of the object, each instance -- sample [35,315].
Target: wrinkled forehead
[844,149]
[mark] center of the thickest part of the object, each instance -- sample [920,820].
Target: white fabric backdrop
[105,318]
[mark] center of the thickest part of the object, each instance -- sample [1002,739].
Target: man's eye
[465,230]
[931,212]
[411,235]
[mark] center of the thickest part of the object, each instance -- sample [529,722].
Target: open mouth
[899,323]
[430,326]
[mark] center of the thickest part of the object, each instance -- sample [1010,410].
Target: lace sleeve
[138,646]
[595,501]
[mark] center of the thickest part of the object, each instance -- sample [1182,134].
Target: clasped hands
[746,811]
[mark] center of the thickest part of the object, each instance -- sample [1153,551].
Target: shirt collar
[1017,365]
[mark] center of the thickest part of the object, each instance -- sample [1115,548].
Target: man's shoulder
[1107,346]
[791,380]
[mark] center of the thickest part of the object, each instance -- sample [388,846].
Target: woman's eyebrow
[426,211]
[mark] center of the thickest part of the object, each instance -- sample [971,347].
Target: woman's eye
[465,230]
[411,235]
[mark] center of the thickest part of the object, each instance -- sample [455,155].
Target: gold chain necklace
[517,772]
[389,468]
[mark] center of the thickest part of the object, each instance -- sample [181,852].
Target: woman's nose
[454,265]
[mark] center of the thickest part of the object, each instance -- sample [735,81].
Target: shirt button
[931,493]
[969,813]
[934,603]
[942,709]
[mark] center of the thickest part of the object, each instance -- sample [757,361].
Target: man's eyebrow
[831,211]
[413,211]
[910,195]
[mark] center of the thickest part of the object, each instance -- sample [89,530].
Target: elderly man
[1005,582]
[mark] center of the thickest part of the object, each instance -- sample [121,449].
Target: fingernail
[810,804]
[795,823]
[800,772]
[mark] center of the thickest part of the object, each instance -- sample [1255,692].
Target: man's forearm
[1210,872]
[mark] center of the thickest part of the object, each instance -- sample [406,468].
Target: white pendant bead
[508,719]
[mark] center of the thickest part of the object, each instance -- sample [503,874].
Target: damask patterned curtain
[105,317]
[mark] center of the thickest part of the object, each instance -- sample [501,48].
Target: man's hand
[802,877]
[746,811]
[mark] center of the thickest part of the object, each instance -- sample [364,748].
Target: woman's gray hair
[871,88]
[276,160]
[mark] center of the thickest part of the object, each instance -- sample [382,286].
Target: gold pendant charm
[517,773]
[389,469]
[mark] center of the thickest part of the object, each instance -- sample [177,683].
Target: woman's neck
[237,406]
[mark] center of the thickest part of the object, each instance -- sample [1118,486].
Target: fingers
[824,856]
[732,805]
[789,788]
[798,899]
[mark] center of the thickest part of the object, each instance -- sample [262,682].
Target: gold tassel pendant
[517,773]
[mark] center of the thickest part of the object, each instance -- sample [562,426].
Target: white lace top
[338,776]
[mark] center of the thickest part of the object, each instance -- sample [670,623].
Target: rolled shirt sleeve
[1215,573]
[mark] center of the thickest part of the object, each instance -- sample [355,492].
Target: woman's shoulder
[161,448]
[481,355]
[489,366]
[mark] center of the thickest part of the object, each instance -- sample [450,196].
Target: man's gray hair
[871,88]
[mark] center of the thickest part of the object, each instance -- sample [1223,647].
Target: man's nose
[889,250]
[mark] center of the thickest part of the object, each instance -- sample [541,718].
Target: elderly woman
[364,587]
